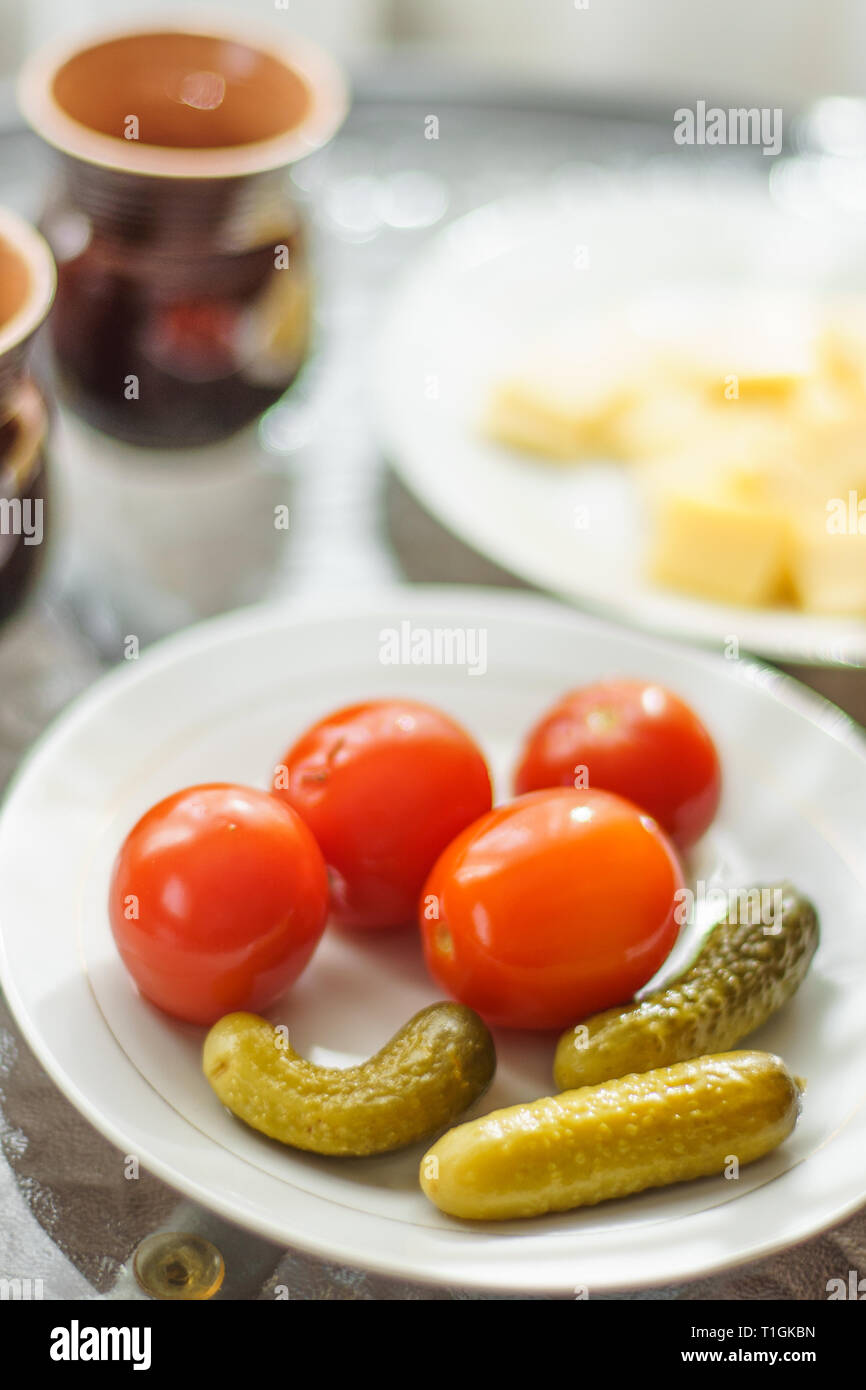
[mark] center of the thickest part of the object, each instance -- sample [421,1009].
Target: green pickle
[691,1120]
[743,974]
[432,1070]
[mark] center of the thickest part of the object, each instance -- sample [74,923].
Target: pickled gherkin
[743,974]
[597,1143]
[432,1070]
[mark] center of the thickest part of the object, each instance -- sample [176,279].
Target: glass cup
[183,299]
[27,283]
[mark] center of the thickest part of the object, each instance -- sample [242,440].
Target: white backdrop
[764,51]
[759,50]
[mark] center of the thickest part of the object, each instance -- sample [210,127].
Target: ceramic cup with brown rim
[183,301]
[27,283]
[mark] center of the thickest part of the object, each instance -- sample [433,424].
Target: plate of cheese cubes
[648,397]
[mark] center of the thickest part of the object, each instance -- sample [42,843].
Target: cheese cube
[720,540]
[828,567]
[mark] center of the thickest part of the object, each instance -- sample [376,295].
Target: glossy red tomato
[633,738]
[551,907]
[383,786]
[218,897]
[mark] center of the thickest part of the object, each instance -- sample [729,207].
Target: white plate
[221,702]
[505,278]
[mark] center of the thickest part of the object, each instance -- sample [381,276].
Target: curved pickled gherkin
[601,1142]
[441,1061]
[743,974]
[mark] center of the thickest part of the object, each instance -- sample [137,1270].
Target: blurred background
[527,95]
[787,51]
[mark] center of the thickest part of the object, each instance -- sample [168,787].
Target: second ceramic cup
[183,300]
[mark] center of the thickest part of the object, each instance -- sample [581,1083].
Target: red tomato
[383,786]
[633,738]
[551,907]
[218,897]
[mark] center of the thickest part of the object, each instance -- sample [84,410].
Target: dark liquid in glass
[173,352]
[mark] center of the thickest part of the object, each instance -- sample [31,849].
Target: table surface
[69,1216]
